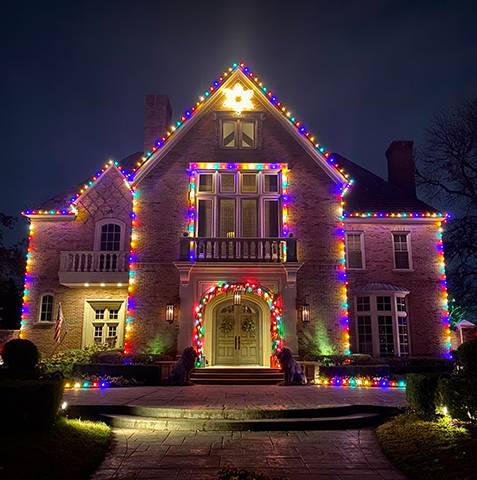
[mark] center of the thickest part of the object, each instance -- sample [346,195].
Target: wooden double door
[237,334]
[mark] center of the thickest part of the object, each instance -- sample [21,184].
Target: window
[354,250]
[401,251]
[106,324]
[365,334]
[238,204]
[110,237]
[46,308]
[382,324]
[238,133]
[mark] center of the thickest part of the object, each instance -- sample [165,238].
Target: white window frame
[215,195]
[90,307]
[409,250]
[106,221]
[374,313]
[363,254]
[46,294]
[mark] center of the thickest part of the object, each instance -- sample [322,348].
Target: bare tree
[447,177]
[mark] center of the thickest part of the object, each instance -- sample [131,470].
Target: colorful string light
[75,384]
[27,283]
[382,382]
[395,215]
[273,302]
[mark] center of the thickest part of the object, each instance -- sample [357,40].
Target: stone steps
[357,420]
[236,376]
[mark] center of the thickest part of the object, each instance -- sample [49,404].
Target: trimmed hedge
[421,393]
[356,370]
[29,404]
[144,374]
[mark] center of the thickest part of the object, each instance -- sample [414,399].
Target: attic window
[238,133]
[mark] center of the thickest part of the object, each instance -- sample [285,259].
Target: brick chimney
[401,166]
[157,118]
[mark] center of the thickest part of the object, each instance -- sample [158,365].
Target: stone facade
[160,279]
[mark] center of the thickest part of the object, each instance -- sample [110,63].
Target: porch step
[236,376]
[357,420]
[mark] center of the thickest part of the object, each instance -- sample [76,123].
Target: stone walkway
[238,396]
[320,455]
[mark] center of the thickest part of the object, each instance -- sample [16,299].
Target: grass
[425,450]
[71,450]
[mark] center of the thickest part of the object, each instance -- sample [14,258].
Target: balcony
[93,268]
[269,250]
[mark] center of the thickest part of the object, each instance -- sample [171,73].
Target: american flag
[59,323]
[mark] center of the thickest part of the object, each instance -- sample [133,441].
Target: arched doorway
[237,332]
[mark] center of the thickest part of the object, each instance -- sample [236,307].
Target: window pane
[403,336]
[228,134]
[227,182]
[248,134]
[365,334]
[271,218]
[386,339]
[383,304]
[354,254]
[270,183]
[113,314]
[205,218]
[227,217]
[249,217]
[110,237]
[99,314]
[401,304]
[363,304]
[401,253]
[98,333]
[46,311]
[249,183]
[206,182]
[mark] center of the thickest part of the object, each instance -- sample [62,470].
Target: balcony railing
[277,250]
[93,261]
[92,268]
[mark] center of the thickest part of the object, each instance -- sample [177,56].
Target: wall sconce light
[305,312]
[237,298]
[170,313]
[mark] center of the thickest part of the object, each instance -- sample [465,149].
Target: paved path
[320,455]
[237,396]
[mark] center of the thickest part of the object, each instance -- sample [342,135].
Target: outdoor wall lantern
[237,298]
[304,312]
[170,313]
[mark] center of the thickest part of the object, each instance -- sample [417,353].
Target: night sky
[358,73]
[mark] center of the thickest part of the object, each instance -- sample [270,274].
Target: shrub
[112,357]
[64,362]
[21,358]
[467,358]
[421,393]
[459,395]
[29,404]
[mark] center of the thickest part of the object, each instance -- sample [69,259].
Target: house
[236,231]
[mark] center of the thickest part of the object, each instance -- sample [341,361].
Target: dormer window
[238,133]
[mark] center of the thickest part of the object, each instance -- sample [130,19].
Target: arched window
[46,308]
[110,240]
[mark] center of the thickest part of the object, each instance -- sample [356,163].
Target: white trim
[409,250]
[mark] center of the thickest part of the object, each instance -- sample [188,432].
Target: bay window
[382,324]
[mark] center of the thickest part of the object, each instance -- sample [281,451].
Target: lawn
[425,450]
[72,450]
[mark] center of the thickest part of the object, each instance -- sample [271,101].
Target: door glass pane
[205,218]
[249,217]
[206,182]
[271,218]
[248,134]
[270,183]
[228,134]
[249,183]
[227,217]
[227,182]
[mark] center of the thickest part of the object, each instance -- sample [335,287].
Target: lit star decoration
[274,304]
[238,98]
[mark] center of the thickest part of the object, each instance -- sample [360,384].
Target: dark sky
[358,73]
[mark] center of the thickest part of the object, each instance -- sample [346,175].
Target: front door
[237,334]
